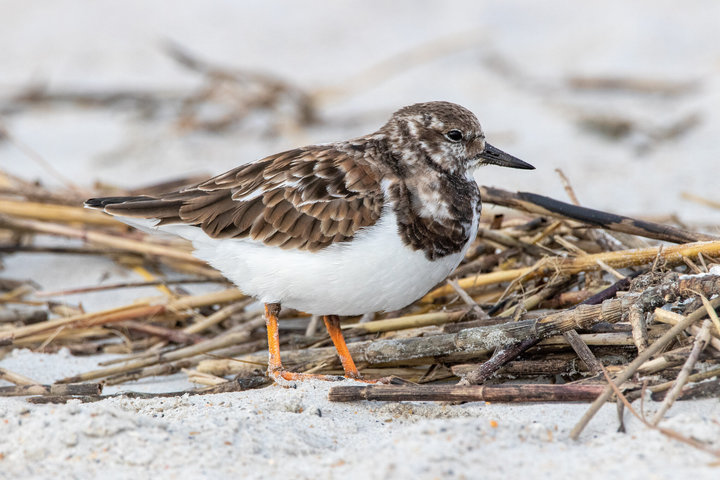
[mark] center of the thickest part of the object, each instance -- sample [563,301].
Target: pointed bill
[495,156]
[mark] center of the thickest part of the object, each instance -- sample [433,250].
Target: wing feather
[306,198]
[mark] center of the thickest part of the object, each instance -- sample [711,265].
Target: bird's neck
[436,213]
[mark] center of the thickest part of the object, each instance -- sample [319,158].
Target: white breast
[373,272]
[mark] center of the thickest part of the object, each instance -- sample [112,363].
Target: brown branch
[583,351]
[466,393]
[481,373]
[534,203]
[555,365]
[239,385]
[55,389]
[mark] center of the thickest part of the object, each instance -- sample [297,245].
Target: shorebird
[364,225]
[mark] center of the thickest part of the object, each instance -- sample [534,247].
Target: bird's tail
[163,210]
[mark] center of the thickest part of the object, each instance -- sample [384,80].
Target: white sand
[275,432]
[296,433]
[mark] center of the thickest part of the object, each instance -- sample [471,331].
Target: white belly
[374,272]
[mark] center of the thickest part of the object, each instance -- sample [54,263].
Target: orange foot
[280,375]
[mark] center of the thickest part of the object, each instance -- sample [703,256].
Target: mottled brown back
[306,199]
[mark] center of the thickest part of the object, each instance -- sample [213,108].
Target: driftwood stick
[635,364]
[539,204]
[636,318]
[238,385]
[62,399]
[499,358]
[84,320]
[55,389]
[699,345]
[569,364]
[583,351]
[302,358]
[466,393]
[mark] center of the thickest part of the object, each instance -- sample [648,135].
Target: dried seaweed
[535,302]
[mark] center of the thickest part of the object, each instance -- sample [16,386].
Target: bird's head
[445,137]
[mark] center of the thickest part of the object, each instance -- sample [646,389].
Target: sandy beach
[523,67]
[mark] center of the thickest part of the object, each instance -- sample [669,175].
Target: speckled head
[445,137]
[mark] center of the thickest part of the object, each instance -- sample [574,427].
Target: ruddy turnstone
[347,228]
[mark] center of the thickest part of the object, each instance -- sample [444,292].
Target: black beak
[495,156]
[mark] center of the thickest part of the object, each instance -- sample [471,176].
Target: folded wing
[304,199]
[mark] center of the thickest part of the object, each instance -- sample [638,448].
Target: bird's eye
[454,135]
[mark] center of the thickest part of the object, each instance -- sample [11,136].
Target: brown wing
[306,199]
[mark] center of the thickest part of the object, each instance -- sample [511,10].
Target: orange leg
[275,368]
[332,323]
[272,310]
